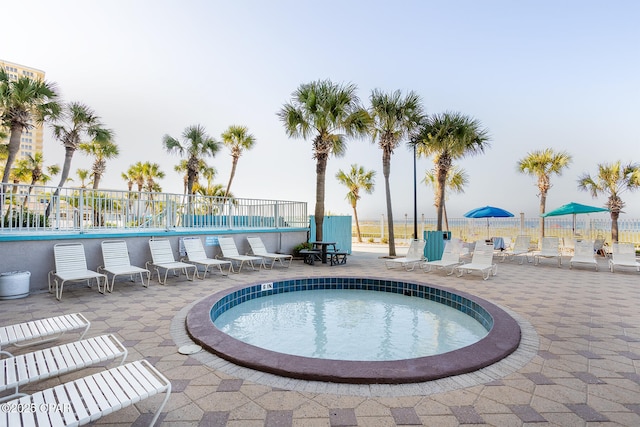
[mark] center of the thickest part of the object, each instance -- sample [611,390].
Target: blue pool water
[348,324]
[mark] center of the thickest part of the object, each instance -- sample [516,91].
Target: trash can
[14,284]
[434,246]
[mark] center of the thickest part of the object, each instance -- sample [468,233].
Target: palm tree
[101,151]
[196,144]
[237,138]
[23,102]
[152,172]
[83,175]
[542,164]
[324,112]
[448,136]
[457,178]
[394,117]
[33,164]
[129,179]
[612,179]
[357,179]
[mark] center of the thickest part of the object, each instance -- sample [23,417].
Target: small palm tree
[238,139]
[448,136]
[357,179]
[542,164]
[612,179]
[456,180]
[34,164]
[83,175]
[101,151]
[324,112]
[151,172]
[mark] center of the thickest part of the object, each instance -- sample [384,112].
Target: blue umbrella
[488,212]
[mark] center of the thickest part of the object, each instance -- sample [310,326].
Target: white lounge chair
[415,255]
[230,252]
[258,249]
[50,362]
[71,266]
[550,249]
[623,255]
[115,256]
[450,257]
[89,398]
[584,254]
[197,256]
[41,330]
[482,261]
[162,258]
[521,248]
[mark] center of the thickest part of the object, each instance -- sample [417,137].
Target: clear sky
[537,74]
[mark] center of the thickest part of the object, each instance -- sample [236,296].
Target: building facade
[32,139]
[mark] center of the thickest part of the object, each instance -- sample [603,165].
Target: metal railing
[27,208]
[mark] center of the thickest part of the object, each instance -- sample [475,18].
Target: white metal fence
[27,208]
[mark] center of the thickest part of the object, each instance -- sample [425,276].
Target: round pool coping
[502,340]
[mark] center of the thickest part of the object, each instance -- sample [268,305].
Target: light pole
[415,196]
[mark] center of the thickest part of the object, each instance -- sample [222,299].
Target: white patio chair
[623,255]
[258,249]
[41,330]
[450,258]
[51,362]
[230,252]
[482,261]
[162,258]
[521,248]
[71,266]
[115,256]
[584,254]
[197,256]
[550,249]
[415,255]
[89,398]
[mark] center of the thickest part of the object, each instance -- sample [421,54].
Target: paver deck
[579,364]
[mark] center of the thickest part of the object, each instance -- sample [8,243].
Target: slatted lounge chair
[197,256]
[41,330]
[623,255]
[89,398]
[51,362]
[521,248]
[230,252]
[258,249]
[162,258]
[482,261]
[71,266]
[450,258]
[550,249]
[415,255]
[115,256]
[584,254]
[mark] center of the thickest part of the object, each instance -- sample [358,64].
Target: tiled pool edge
[502,340]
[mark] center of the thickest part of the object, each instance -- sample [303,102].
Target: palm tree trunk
[543,204]
[321,169]
[66,167]
[441,180]
[13,149]
[386,170]
[96,180]
[355,215]
[614,226]
[231,175]
[446,219]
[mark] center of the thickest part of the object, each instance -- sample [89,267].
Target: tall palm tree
[324,112]
[129,179]
[542,164]
[395,117]
[152,172]
[196,144]
[448,136]
[456,180]
[101,151]
[203,169]
[23,102]
[612,179]
[238,139]
[357,179]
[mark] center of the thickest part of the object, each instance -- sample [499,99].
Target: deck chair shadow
[623,255]
[115,256]
[482,261]
[450,258]
[258,249]
[521,249]
[230,252]
[71,266]
[162,259]
[550,249]
[198,257]
[584,254]
[415,255]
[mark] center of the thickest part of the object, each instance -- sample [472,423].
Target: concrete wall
[36,255]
